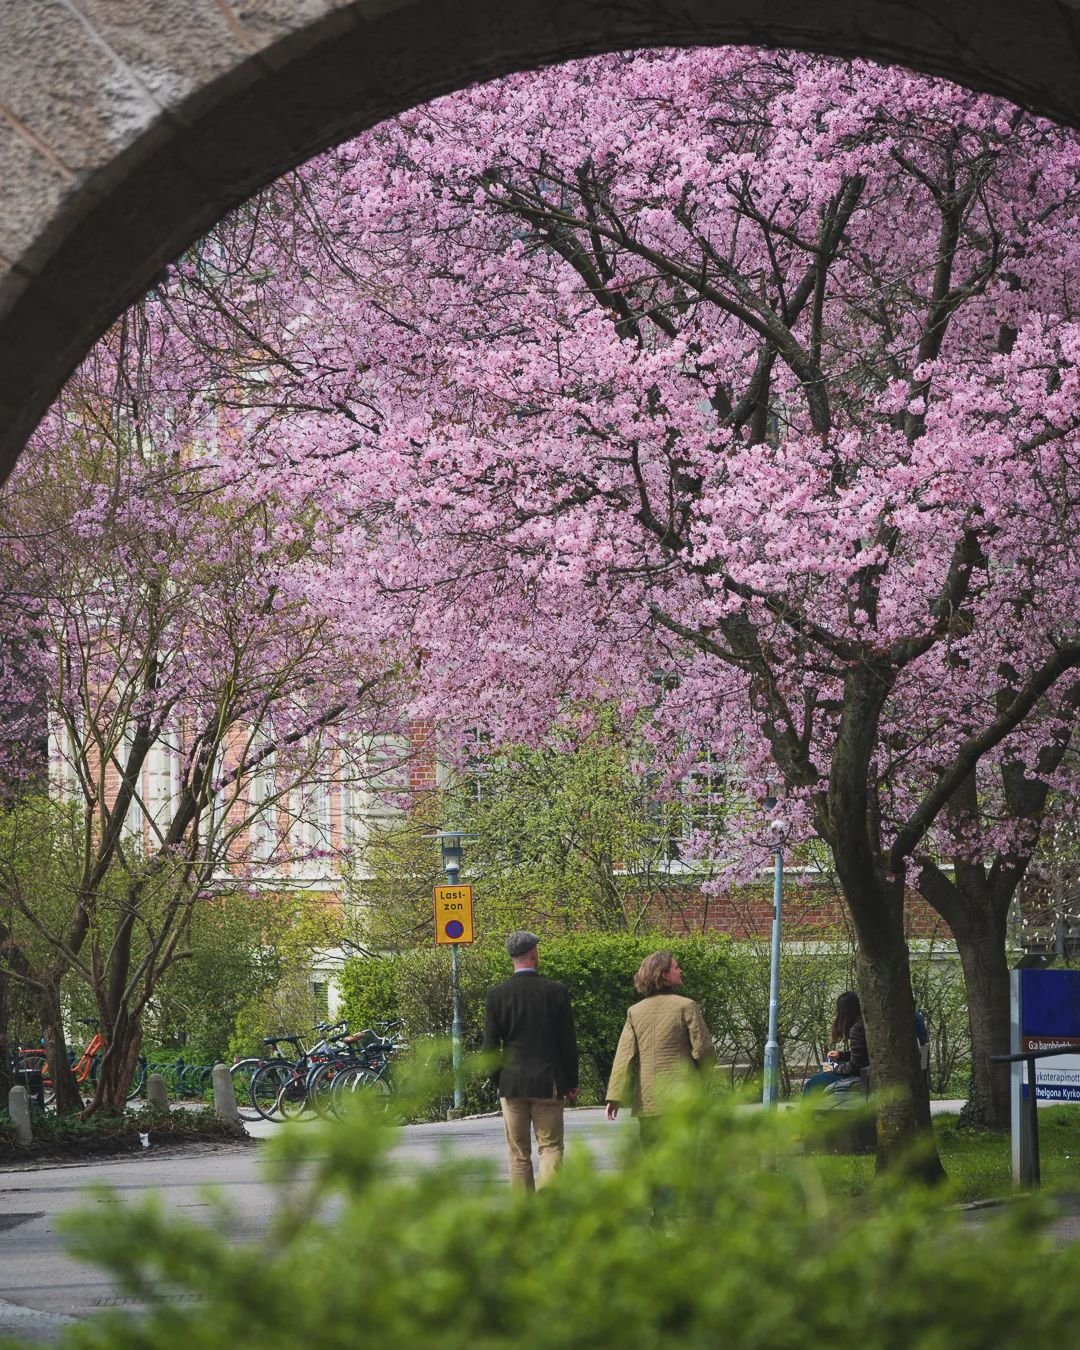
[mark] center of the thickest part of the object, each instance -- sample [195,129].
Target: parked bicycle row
[321,1077]
[290,1079]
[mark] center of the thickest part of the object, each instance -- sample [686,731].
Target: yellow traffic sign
[453,915]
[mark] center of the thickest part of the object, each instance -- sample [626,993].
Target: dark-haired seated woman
[849,1055]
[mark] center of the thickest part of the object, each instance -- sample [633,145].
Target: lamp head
[450,846]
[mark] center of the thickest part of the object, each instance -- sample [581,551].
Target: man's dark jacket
[528,1017]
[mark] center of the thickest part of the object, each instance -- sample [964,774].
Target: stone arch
[128,127]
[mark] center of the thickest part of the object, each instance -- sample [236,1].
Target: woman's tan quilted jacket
[661,1032]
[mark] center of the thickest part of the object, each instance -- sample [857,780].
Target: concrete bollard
[157,1093]
[225,1096]
[19,1111]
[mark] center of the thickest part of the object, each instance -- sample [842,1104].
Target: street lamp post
[770,1089]
[450,846]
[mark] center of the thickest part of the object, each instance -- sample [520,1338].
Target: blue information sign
[1050,1020]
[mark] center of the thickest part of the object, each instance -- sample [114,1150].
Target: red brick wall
[811,909]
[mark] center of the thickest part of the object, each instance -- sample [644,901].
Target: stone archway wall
[127,127]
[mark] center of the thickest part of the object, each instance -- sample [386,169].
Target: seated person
[850,1055]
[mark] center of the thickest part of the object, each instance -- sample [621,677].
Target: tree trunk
[986,977]
[975,905]
[116,1067]
[875,900]
[889,1013]
[68,1099]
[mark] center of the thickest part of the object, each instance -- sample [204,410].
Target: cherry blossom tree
[197,698]
[758,370]
[753,372]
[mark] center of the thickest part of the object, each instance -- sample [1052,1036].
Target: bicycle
[242,1073]
[364,1051]
[278,1076]
[85,1066]
[373,1071]
[309,1084]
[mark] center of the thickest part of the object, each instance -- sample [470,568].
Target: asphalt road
[41,1287]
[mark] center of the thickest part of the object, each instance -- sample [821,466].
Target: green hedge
[597,968]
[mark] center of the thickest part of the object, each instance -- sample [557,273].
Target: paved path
[41,1287]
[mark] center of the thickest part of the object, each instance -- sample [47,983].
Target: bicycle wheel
[352,1080]
[292,1099]
[241,1073]
[138,1081]
[320,1083]
[34,1061]
[345,1083]
[266,1083]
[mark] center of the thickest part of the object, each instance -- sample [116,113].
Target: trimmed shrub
[368,992]
[597,968]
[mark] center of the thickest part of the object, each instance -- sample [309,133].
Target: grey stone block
[174,47]
[281,29]
[69,89]
[40,188]
[157,1093]
[19,1111]
[225,1096]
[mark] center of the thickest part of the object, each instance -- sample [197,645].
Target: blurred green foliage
[749,1251]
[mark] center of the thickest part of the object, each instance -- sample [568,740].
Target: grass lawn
[979,1165]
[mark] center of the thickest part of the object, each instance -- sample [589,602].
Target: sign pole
[454,928]
[770,1088]
[1018,1141]
[771,1085]
[455,1032]
[1045,1007]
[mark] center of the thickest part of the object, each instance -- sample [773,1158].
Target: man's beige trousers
[522,1115]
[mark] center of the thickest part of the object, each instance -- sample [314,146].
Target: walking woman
[663,1031]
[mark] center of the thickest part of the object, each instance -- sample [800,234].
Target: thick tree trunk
[876,903]
[986,977]
[889,1013]
[975,905]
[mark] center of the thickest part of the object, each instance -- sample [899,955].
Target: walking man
[529,1019]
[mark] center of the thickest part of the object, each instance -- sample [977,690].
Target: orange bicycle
[84,1066]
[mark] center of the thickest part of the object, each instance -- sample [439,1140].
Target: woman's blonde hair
[652,974]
